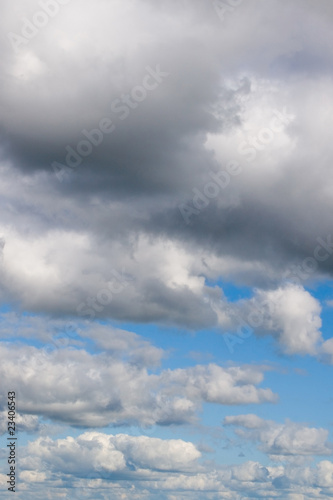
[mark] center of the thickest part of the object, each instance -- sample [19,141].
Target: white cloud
[325,474]
[295,317]
[23,423]
[214,384]
[289,313]
[281,440]
[250,471]
[119,210]
[125,466]
[29,476]
[83,389]
[249,421]
[109,454]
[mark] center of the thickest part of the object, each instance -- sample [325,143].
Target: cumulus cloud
[152,153]
[127,467]
[82,389]
[121,204]
[289,313]
[214,384]
[112,454]
[295,317]
[281,440]
[25,423]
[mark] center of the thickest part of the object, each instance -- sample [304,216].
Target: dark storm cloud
[186,94]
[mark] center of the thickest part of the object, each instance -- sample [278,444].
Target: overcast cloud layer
[165,164]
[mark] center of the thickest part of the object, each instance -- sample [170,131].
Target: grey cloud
[119,210]
[221,91]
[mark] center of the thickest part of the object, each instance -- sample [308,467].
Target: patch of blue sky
[232,292]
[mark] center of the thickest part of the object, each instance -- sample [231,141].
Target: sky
[166,249]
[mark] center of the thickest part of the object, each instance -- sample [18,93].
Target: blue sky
[166,254]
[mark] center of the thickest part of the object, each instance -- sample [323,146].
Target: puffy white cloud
[289,313]
[146,279]
[281,440]
[93,451]
[156,453]
[325,474]
[122,466]
[295,317]
[214,384]
[23,423]
[73,386]
[250,471]
[29,476]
